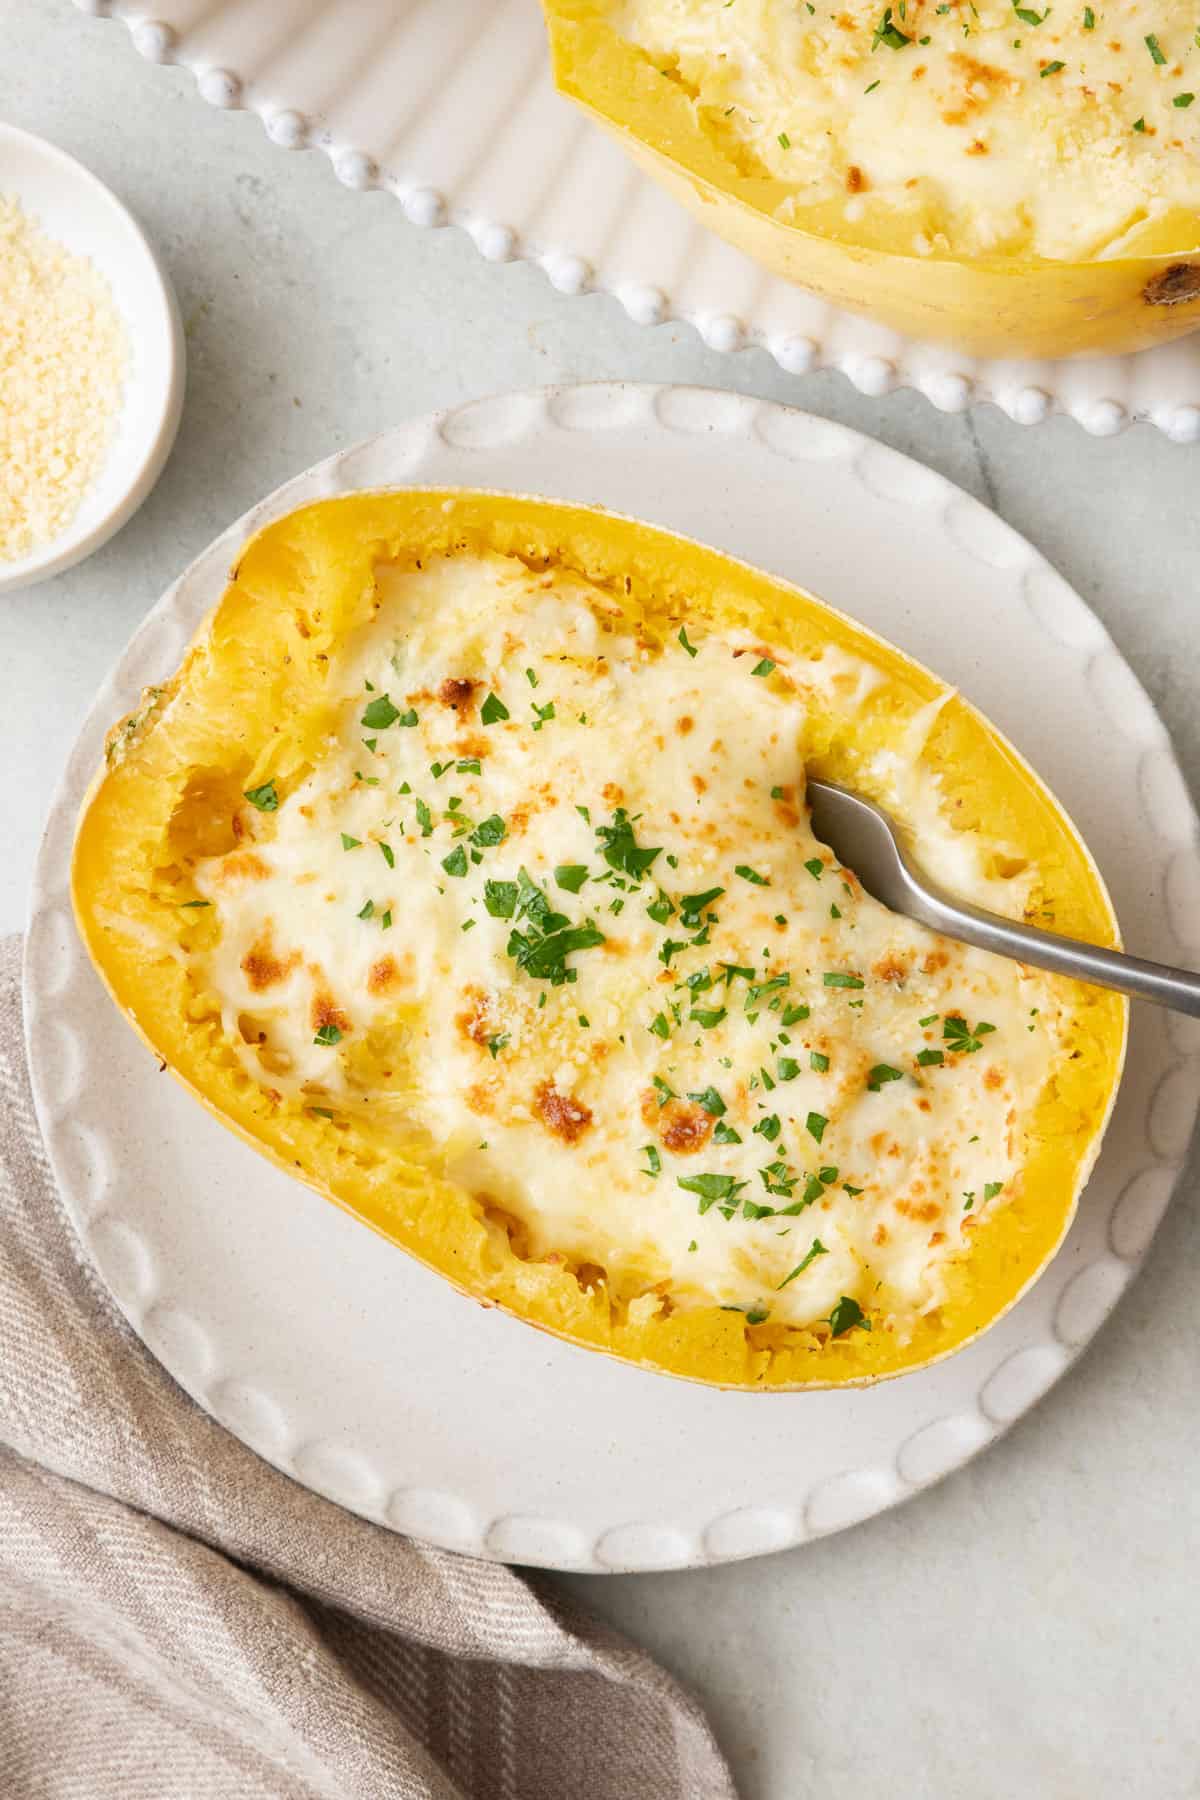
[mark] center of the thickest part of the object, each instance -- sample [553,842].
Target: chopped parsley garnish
[959,1035]
[388,855]
[991,1189]
[818,1061]
[620,848]
[385,920]
[752,875]
[571,876]
[663,1089]
[793,1015]
[929,1019]
[660,1025]
[929,1059]
[692,906]
[835,978]
[816,1249]
[264,798]
[543,714]
[424,819]
[653,1163]
[846,1315]
[531,678]
[711,1188]
[380,713]
[350,843]
[710,1100]
[500,898]
[707,1017]
[456,862]
[328,1035]
[497,1043]
[725,1134]
[815,867]
[1155,49]
[786,1068]
[367,910]
[493,710]
[489,831]
[769,1127]
[889,33]
[683,639]
[186,905]
[660,909]
[765,666]
[468,765]
[881,1074]
[542,949]
[815,1125]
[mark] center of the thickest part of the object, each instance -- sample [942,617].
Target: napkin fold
[177,1618]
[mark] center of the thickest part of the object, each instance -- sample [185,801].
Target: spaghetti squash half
[464,869]
[1018,180]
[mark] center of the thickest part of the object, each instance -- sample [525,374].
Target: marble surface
[1029,1626]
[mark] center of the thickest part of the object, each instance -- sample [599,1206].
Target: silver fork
[868,841]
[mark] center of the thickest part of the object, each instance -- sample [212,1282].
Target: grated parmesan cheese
[63,356]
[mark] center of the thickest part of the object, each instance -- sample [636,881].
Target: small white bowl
[71,205]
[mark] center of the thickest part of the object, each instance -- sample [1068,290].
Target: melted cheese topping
[736,1078]
[1003,128]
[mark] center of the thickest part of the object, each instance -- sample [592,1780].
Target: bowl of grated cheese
[91,362]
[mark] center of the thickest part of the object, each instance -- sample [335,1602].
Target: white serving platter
[448,104]
[367,1377]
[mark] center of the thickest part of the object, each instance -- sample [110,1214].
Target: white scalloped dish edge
[482,141]
[364,1376]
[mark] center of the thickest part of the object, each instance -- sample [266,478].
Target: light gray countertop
[1030,1625]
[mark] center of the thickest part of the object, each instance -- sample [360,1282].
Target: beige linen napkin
[179,1619]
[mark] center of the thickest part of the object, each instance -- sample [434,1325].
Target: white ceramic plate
[449,105]
[368,1378]
[72,205]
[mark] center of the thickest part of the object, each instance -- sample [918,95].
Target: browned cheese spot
[384,975]
[263,968]
[457,691]
[681,1125]
[326,1011]
[926,1213]
[474,1024]
[243,865]
[561,1114]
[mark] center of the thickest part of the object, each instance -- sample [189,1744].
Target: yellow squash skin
[994,307]
[249,704]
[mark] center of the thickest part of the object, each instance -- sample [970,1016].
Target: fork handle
[1178,989]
